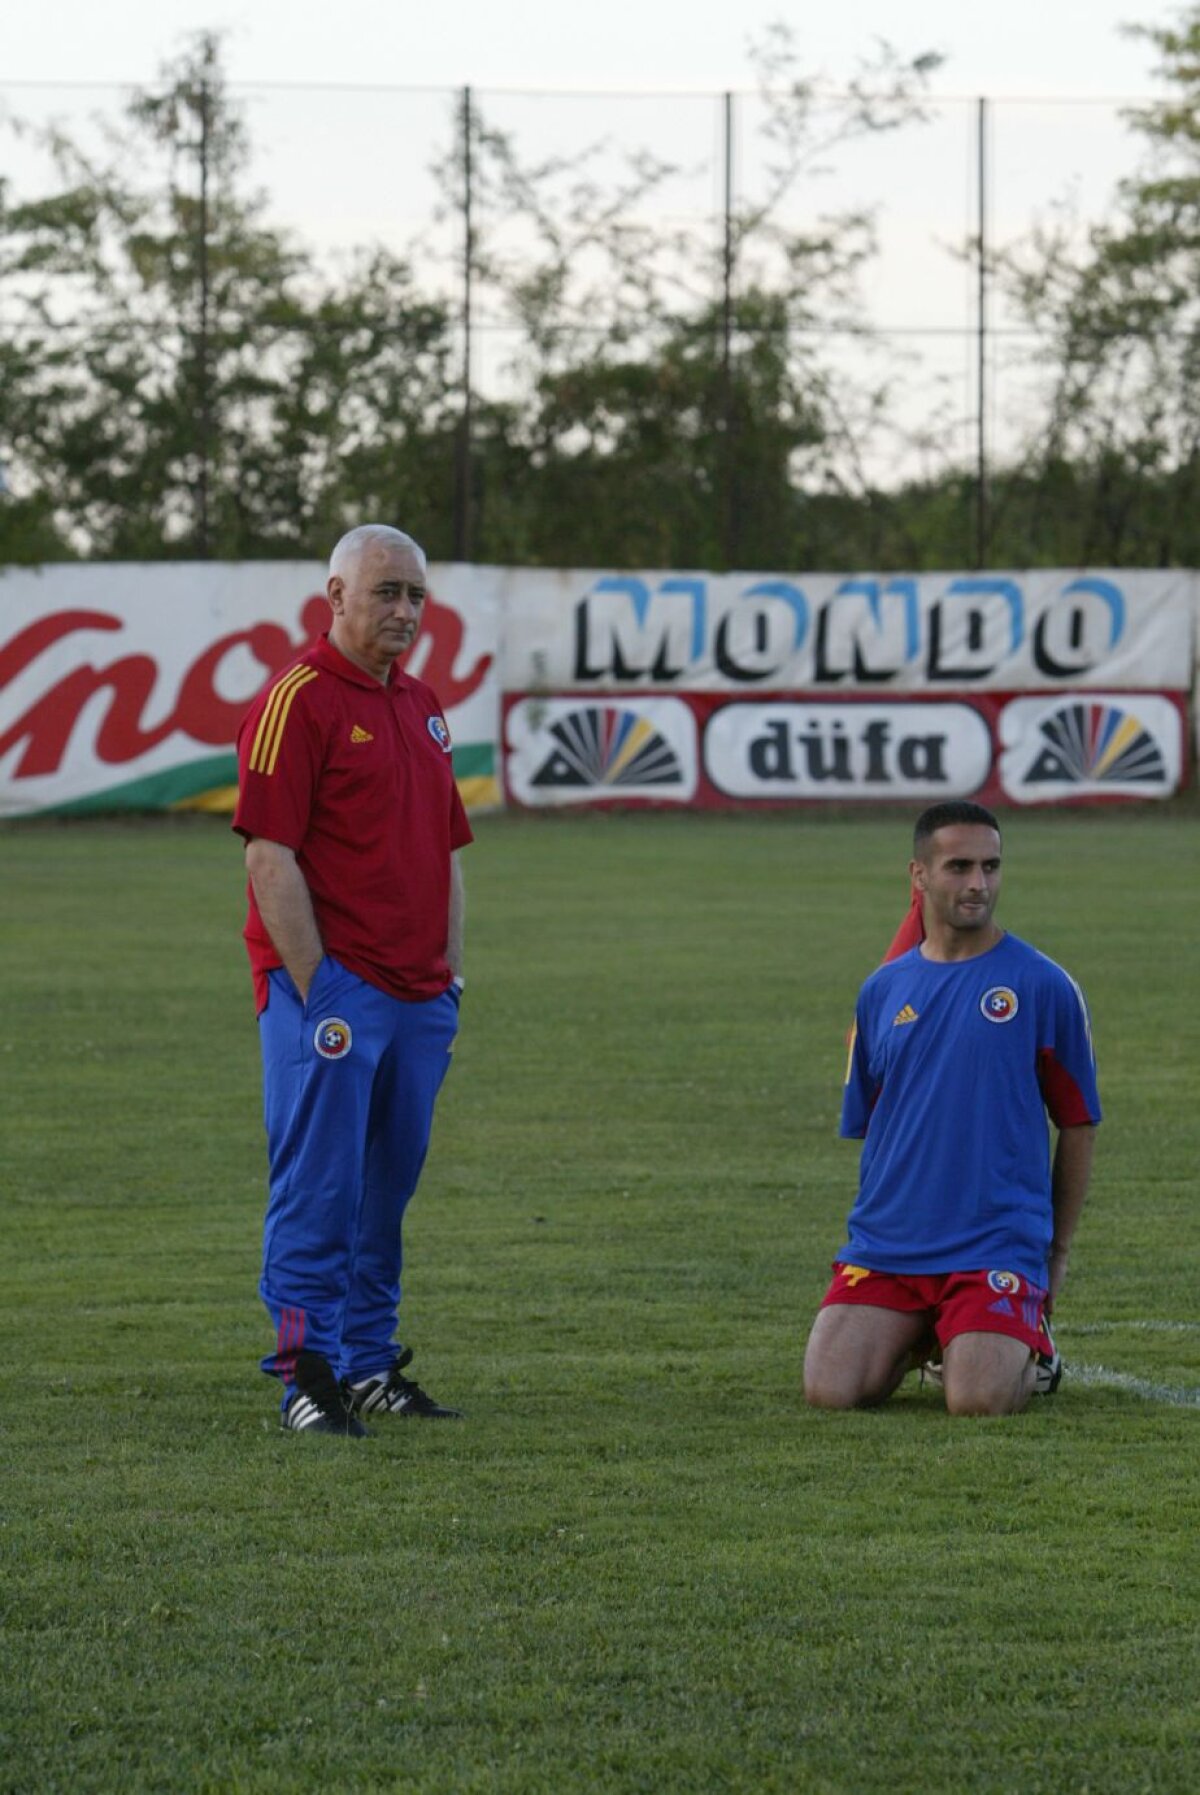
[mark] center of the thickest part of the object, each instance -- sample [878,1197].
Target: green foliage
[182,380]
[656,425]
[1114,475]
[640,1564]
[638,458]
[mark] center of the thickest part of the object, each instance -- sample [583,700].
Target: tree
[676,404]
[180,380]
[1114,474]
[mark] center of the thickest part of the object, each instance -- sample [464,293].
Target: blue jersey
[953,1067]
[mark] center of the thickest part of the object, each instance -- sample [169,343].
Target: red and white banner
[122,686]
[711,751]
[1052,686]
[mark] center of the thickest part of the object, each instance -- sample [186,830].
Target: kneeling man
[960,1233]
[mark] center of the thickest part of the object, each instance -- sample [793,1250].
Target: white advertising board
[797,749]
[1007,631]
[122,686]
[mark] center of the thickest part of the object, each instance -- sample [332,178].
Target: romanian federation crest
[333,1038]
[440,734]
[999,1004]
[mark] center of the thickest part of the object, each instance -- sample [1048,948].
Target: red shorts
[953,1302]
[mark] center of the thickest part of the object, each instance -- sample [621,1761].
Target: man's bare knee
[824,1392]
[856,1356]
[987,1374]
[820,1395]
[985,1402]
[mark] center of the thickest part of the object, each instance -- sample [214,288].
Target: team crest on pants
[1006,1283]
[333,1038]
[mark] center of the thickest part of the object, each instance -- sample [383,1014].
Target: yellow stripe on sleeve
[268,713]
[284,708]
[265,750]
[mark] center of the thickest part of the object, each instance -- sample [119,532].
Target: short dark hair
[944,816]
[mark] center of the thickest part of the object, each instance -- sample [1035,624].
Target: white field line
[1140,1327]
[1104,1377]
[1180,1398]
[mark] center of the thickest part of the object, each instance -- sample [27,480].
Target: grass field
[641,1564]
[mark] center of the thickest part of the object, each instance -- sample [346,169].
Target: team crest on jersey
[999,1004]
[440,734]
[333,1038]
[1004,1283]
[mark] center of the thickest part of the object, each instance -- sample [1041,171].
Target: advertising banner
[1112,630]
[712,751]
[122,686]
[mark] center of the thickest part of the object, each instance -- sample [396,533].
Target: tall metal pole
[204,421]
[981,462]
[462,474]
[729,509]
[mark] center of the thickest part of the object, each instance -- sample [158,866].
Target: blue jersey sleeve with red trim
[1066,1061]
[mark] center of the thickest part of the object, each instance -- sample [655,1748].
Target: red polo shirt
[356,778]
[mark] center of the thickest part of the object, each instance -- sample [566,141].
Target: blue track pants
[350,1079]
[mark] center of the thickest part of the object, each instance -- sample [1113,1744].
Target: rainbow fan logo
[572,751]
[1104,744]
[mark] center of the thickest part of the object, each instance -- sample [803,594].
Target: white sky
[346,168]
[1001,47]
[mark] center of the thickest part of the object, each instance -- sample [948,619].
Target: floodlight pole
[729,509]
[203,355]
[462,460]
[981,463]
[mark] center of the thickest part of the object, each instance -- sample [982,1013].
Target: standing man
[352,822]
[962,1225]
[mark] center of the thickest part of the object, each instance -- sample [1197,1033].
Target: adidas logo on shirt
[907,1014]
[361,735]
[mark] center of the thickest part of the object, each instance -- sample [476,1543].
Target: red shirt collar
[325,655]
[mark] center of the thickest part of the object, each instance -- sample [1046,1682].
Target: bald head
[347,553]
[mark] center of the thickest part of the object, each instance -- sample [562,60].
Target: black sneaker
[395,1395]
[317,1406]
[1049,1363]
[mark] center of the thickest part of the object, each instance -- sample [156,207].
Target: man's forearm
[284,903]
[456,921]
[1072,1171]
